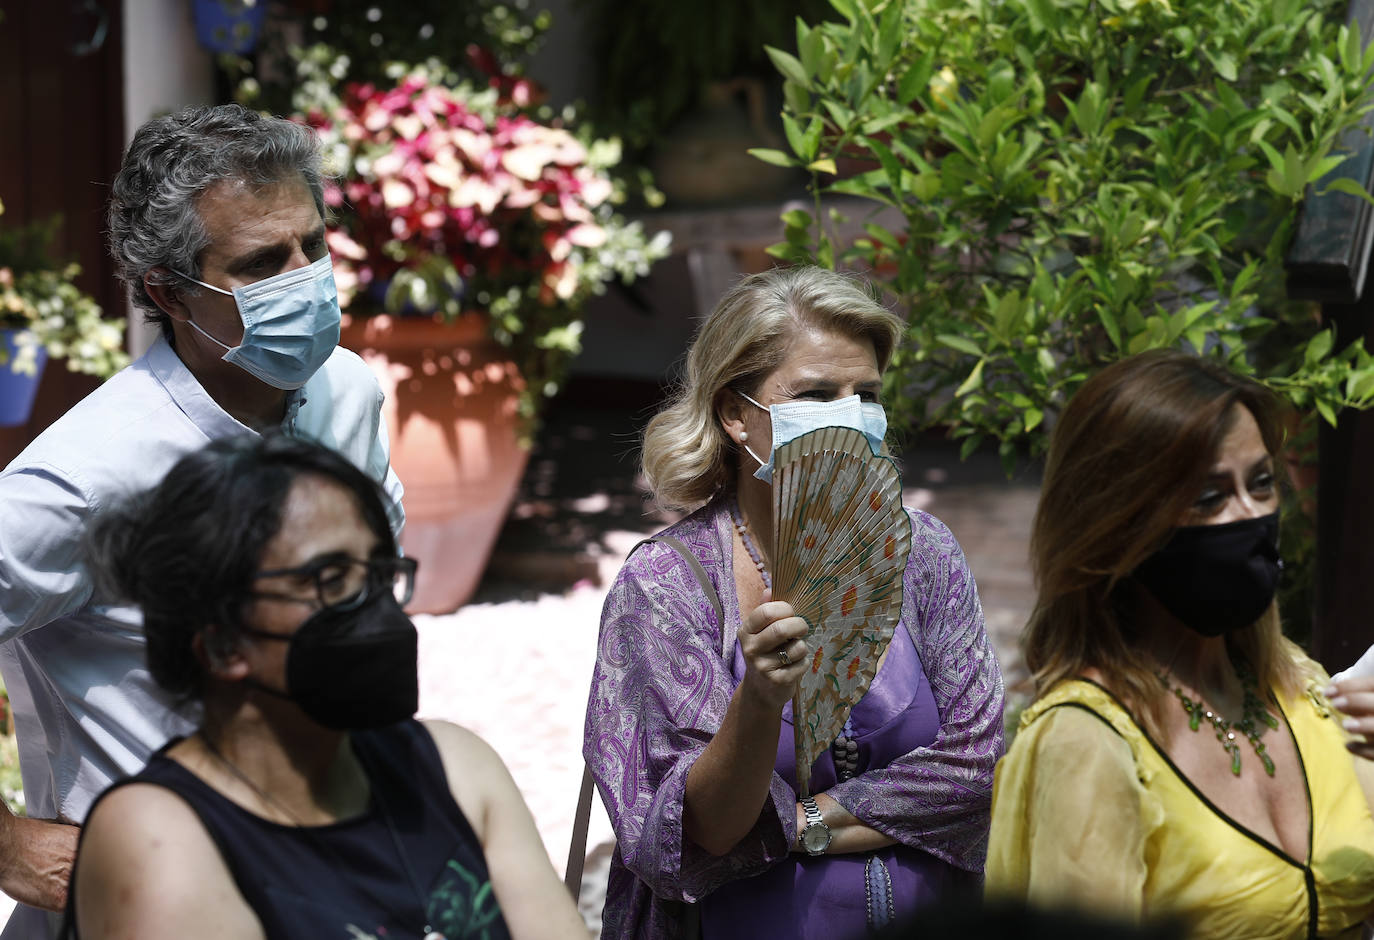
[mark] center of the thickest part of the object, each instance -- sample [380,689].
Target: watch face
[815,838]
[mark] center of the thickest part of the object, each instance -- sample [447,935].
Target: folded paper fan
[841,540]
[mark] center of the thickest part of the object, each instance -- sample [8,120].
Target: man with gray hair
[217,226]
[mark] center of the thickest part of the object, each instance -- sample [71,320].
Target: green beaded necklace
[1253,712]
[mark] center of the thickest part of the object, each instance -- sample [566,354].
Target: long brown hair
[1127,459]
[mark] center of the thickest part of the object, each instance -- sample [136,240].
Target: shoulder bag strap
[695,564]
[577,849]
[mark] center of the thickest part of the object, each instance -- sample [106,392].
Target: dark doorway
[61,137]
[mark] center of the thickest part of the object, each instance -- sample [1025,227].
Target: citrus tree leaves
[1057,183]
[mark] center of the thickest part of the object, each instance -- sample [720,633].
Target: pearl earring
[743,436]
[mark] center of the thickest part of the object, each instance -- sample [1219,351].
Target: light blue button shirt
[86,710]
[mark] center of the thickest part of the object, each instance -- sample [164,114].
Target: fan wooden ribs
[841,540]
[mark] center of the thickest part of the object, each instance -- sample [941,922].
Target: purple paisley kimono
[661,688]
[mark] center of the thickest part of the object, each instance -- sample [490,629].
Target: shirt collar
[190,396]
[294,400]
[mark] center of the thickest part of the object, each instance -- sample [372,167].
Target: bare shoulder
[531,896]
[455,741]
[476,774]
[143,811]
[148,868]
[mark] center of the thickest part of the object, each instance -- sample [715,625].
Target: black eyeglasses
[344,583]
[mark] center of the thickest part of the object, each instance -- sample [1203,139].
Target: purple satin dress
[825,898]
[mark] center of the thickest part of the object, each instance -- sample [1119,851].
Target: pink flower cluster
[504,199]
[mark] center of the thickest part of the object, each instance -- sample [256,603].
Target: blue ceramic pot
[17,390]
[231,26]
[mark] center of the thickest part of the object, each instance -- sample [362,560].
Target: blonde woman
[691,746]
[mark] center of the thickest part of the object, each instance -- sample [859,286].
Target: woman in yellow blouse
[1180,758]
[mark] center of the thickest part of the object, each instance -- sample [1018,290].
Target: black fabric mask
[351,670]
[1216,578]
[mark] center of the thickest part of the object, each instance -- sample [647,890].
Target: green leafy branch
[1053,184]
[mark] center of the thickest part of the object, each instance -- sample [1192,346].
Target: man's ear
[162,286]
[217,658]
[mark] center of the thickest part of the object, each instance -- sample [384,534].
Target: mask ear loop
[197,327]
[219,290]
[750,400]
[760,462]
[752,454]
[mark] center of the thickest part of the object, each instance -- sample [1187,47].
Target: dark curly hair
[185,551]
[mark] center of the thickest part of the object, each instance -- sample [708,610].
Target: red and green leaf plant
[452,199]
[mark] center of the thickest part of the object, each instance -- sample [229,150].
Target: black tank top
[346,880]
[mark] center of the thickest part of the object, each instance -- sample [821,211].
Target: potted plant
[1062,185]
[688,87]
[656,58]
[229,26]
[44,314]
[467,235]
[363,40]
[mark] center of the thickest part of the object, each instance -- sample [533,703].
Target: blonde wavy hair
[686,455]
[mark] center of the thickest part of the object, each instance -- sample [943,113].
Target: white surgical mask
[792,419]
[290,324]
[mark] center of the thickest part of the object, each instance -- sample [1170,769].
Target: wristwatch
[815,838]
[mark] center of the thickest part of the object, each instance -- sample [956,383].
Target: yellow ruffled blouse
[1088,811]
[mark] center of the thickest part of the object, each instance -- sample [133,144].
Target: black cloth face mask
[351,670]
[1216,578]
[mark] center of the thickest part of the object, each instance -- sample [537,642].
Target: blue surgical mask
[290,324]
[792,419]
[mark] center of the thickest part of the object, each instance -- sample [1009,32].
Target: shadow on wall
[580,488]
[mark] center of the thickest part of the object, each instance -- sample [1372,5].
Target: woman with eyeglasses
[309,802]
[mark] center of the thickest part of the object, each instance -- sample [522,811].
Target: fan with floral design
[841,540]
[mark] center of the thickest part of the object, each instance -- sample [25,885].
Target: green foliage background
[654,56]
[39,297]
[1060,183]
[361,40]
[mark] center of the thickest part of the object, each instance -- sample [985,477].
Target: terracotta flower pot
[451,397]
